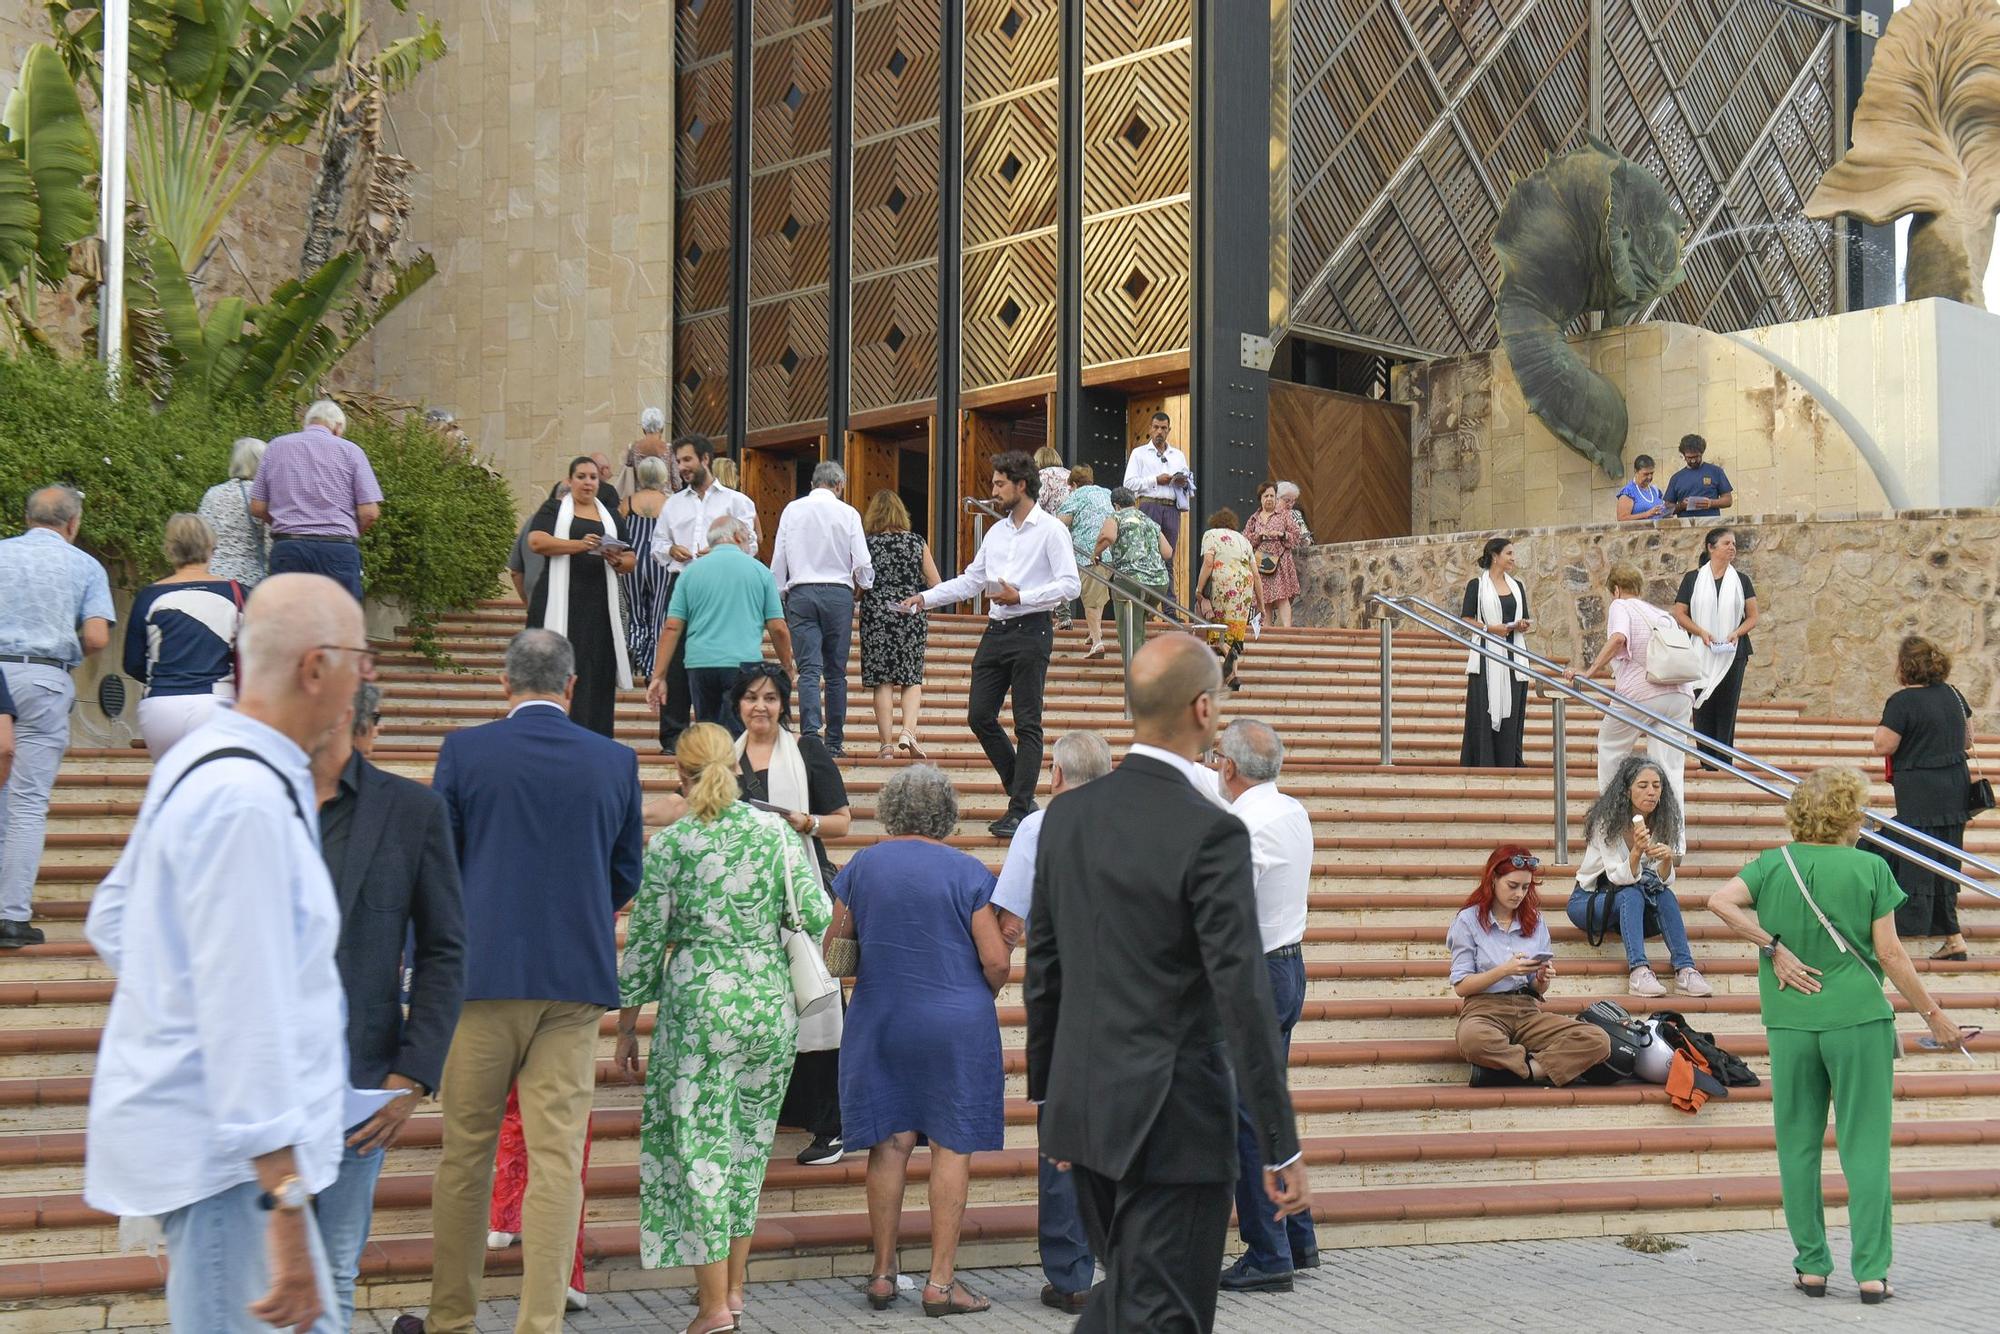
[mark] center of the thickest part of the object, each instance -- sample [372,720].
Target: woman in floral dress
[1272,534]
[703,941]
[1229,588]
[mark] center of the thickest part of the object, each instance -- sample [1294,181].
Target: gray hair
[829,474]
[244,456]
[1254,748]
[919,801]
[188,540]
[1083,757]
[327,413]
[724,530]
[652,421]
[651,470]
[55,506]
[539,662]
[1288,490]
[367,707]
[1611,814]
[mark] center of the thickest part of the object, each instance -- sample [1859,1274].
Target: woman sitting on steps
[1634,839]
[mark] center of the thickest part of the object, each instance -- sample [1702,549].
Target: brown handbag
[843,951]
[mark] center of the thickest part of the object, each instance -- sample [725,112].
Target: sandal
[736,1305]
[908,745]
[1809,1289]
[879,1300]
[713,1329]
[1946,954]
[973,1304]
[886,753]
[1879,1295]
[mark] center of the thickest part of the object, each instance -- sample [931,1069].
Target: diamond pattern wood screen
[704,89]
[1411,120]
[791,186]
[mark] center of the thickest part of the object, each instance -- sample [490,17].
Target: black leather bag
[1627,1036]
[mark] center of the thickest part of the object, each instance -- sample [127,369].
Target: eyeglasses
[1521,861]
[367,661]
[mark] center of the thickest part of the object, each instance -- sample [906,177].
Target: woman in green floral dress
[703,942]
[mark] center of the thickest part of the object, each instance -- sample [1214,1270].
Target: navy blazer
[545,819]
[397,879]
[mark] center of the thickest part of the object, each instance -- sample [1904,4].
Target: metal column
[951,248]
[840,223]
[1066,431]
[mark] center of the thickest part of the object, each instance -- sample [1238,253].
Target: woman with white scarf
[798,776]
[577,596]
[1717,604]
[1496,695]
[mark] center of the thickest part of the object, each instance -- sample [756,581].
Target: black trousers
[1161,1248]
[1013,658]
[1715,717]
[680,704]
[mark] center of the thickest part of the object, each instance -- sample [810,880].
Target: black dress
[892,642]
[1930,775]
[595,704]
[812,1099]
[1485,746]
[1715,717]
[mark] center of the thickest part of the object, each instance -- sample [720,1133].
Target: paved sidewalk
[1726,1281]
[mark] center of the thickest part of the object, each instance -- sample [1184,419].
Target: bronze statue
[1592,230]
[1927,142]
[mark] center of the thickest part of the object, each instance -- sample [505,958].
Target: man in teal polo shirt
[725,601]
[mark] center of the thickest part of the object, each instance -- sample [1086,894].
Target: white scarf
[1499,688]
[556,615]
[785,785]
[1718,610]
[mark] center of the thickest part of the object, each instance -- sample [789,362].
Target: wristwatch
[290,1197]
[1770,951]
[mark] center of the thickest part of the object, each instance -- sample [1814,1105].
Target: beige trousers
[548,1048]
[1501,1032]
[1616,740]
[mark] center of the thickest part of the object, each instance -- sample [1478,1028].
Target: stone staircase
[1401,1149]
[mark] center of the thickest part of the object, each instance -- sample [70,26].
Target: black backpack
[1724,1065]
[1627,1036]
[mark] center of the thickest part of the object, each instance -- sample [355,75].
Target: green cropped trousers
[1854,1070]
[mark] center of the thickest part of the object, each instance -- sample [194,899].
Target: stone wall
[1835,593]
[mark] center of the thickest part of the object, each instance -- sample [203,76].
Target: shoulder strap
[235,753]
[1839,941]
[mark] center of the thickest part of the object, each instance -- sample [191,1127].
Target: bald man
[227,1038]
[1144,960]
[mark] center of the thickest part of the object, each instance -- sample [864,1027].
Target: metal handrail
[1560,691]
[1161,604]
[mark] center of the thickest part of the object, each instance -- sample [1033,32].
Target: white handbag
[813,987]
[1674,657]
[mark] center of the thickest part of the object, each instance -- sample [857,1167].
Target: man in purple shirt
[319,495]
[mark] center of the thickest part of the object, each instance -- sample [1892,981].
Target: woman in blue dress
[1639,499]
[921,1055]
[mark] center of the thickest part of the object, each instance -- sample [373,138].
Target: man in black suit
[388,847]
[1146,984]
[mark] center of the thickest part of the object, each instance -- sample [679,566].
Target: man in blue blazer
[546,821]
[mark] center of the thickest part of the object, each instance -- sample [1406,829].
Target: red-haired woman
[1502,965]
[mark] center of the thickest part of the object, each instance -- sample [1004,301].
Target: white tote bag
[813,987]
[1674,657]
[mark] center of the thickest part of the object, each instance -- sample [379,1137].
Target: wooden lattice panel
[1136,296]
[895,66]
[1010,45]
[701,374]
[1116,28]
[895,200]
[895,339]
[702,152]
[788,360]
[704,93]
[1010,167]
[791,94]
[1017,279]
[768,18]
[789,239]
[1135,130]
[702,29]
[701,265]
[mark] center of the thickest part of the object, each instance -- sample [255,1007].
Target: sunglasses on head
[1521,861]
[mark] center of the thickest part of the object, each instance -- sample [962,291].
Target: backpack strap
[237,753]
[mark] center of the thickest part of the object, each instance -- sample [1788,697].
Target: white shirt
[685,518]
[1142,474]
[1015,890]
[820,541]
[1035,555]
[1281,857]
[227,1037]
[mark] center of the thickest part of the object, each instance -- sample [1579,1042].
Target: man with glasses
[221,1085]
[56,611]
[1144,960]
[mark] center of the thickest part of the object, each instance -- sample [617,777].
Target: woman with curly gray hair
[1633,839]
[922,1050]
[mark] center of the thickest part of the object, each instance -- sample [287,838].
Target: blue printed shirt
[52,589]
[1643,498]
[1708,481]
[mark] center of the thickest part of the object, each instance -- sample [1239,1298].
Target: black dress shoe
[13,935]
[1005,826]
[1241,1277]
[1070,1302]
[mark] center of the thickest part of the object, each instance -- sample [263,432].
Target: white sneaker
[576,1301]
[1690,982]
[1643,983]
[500,1241]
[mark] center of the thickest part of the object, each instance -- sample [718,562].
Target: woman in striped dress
[645,588]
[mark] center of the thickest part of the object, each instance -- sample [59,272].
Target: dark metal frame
[951,252]
[1870,258]
[739,237]
[840,214]
[1066,431]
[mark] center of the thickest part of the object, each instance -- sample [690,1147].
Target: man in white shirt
[218,1103]
[1157,473]
[1249,757]
[1025,567]
[680,536]
[819,557]
[1077,758]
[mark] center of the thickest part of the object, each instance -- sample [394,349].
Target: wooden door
[872,465]
[1350,457]
[981,435]
[769,479]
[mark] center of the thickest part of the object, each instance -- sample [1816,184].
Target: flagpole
[111,223]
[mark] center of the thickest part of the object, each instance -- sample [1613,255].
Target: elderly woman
[1717,604]
[1274,536]
[1632,838]
[242,544]
[1288,501]
[1630,623]
[645,585]
[798,776]
[892,640]
[1496,695]
[1639,500]
[1822,915]
[1501,964]
[1136,549]
[651,444]
[923,1040]
[703,941]
[577,596]
[1926,735]
[1227,589]
[1083,511]
[180,642]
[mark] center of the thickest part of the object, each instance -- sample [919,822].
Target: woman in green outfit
[1137,550]
[703,942]
[1832,1030]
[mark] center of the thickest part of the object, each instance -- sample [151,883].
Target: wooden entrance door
[1350,457]
[771,478]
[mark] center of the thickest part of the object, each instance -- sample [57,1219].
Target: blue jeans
[338,561]
[42,699]
[708,689]
[1065,1246]
[1270,1245]
[821,619]
[344,1210]
[218,1265]
[1640,910]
